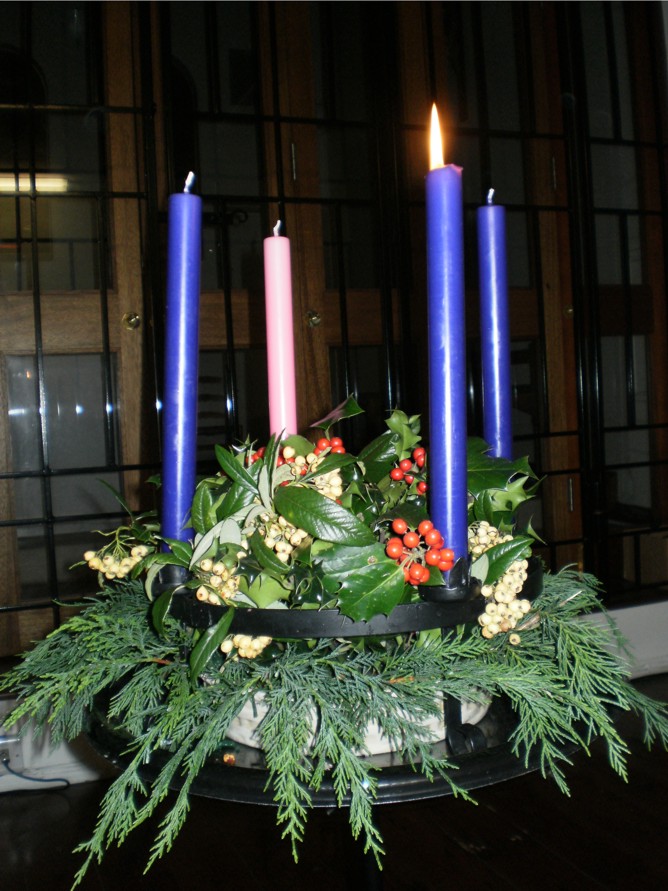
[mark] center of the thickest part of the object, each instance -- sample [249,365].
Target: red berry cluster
[426,542]
[408,468]
[335,445]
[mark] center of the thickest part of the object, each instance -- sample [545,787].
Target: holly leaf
[265,590]
[408,430]
[346,409]
[370,591]
[379,455]
[320,516]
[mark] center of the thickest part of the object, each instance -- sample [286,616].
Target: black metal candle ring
[441,608]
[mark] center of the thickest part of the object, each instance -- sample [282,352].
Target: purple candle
[494,328]
[181,361]
[447,348]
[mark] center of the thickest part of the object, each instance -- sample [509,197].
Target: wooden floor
[523,834]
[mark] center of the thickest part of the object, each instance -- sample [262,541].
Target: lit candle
[280,335]
[447,347]
[494,328]
[181,361]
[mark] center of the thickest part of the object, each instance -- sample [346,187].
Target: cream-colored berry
[206,565]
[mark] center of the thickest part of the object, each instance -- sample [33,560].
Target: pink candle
[280,335]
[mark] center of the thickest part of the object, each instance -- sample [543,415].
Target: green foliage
[563,681]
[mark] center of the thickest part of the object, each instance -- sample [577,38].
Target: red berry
[422,487]
[280,461]
[322,444]
[406,464]
[445,565]
[408,478]
[397,473]
[260,452]
[432,536]
[411,539]
[419,452]
[420,460]
[415,572]
[335,442]
[424,527]
[399,526]
[407,575]
[394,548]
[338,450]
[432,557]
[448,554]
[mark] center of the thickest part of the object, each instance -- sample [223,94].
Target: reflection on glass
[500,54]
[60,49]
[79,493]
[78,419]
[340,61]
[630,487]
[67,231]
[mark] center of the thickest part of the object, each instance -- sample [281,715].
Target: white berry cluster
[246,646]
[116,564]
[503,610]
[281,536]
[328,484]
[219,584]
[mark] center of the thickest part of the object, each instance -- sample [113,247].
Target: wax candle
[447,348]
[280,334]
[181,360]
[494,328]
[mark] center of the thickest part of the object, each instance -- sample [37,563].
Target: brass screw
[131,321]
[313,318]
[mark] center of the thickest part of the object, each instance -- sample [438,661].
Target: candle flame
[435,141]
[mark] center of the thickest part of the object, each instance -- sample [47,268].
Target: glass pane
[32,562]
[350,247]
[67,229]
[71,541]
[77,427]
[599,98]
[73,142]
[630,486]
[345,163]
[517,244]
[614,176]
[229,156]
[464,151]
[187,36]
[613,375]
[59,45]
[462,81]
[233,249]
[366,375]
[234,49]
[608,251]
[78,493]
[507,173]
[340,61]
[215,412]
[499,54]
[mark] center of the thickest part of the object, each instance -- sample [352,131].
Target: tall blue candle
[447,348]
[494,328]
[181,361]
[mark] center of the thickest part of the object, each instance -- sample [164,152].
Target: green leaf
[320,516]
[300,444]
[408,430]
[346,409]
[182,550]
[235,469]
[341,560]
[160,610]
[265,556]
[202,514]
[236,498]
[207,645]
[371,590]
[330,463]
[265,590]
[117,495]
[501,556]
[379,456]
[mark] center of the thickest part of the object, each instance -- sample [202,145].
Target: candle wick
[277,228]
[190,182]
[490,196]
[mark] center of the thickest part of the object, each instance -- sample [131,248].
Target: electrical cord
[64,783]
